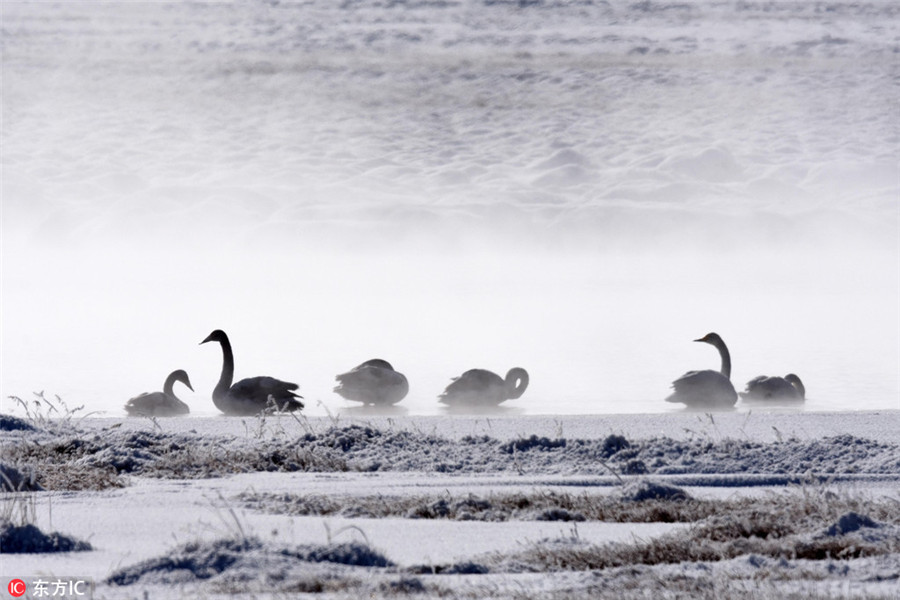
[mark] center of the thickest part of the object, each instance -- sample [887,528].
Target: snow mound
[240,559]
[849,523]
[11,423]
[650,490]
[28,539]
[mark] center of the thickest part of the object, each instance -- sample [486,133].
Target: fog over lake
[578,189]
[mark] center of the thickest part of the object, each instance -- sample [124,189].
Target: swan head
[798,385]
[711,338]
[182,376]
[216,336]
[516,382]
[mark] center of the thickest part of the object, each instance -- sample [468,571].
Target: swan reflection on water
[374,410]
[488,411]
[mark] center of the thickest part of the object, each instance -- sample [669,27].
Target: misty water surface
[578,190]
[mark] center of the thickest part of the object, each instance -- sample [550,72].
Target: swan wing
[703,388]
[476,386]
[251,395]
[262,386]
[155,404]
[372,385]
[375,362]
[769,388]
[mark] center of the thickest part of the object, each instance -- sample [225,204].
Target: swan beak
[208,339]
[705,338]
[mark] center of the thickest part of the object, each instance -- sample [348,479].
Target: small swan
[707,389]
[374,382]
[161,404]
[478,387]
[785,389]
[252,395]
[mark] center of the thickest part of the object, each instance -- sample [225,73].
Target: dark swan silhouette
[373,382]
[252,395]
[478,387]
[707,389]
[774,389]
[161,404]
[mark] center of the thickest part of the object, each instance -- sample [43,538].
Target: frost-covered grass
[52,414]
[808,535]
[772,515]
[540,505]
[84,459]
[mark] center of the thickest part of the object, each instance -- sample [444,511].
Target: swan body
[373,382]
[708,388]
[479,387]
[161,404]
[252,395]
[785,389]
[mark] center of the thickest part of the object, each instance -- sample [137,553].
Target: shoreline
[768,426]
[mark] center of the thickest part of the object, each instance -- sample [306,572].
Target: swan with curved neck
[774,389]
[708,388]
[479,387]
[374,382]
[164,403]
[252,395]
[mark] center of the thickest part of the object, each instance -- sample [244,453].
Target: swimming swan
[707,389]
[252,395]
[786,389]
[161,404]
[373,382]
[478,387]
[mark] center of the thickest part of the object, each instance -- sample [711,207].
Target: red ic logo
[16,587]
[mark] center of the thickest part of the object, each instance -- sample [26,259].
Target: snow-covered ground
[461,506]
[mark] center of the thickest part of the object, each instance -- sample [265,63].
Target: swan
[763,388]
[707,389]
[161,404]
[252,395]
[478,387]
[373,382]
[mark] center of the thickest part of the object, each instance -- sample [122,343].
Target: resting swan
[161,404]
[478,387]
[373,382]
[707,389]
[786,389]
[252,395]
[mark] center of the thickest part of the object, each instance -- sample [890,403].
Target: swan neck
[516,382]
[726,359]
[221,389]
[169,385]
